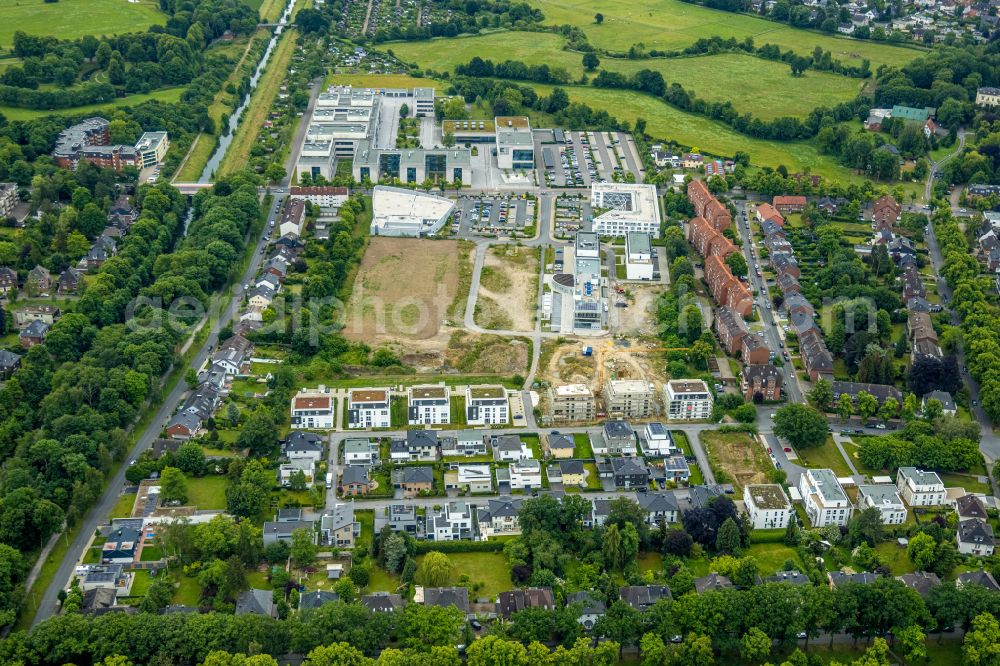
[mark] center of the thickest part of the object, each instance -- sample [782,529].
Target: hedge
[422,547]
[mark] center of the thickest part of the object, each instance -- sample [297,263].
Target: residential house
[754,351]
[402,518]
[921,582]
[838,578]
[445,597]
[643,597]
[789,204]
[413,480]
[475,478]
[338,526]
[767,505]
[256,602]
[970,506]
[786,263]
[429,405]
[768,213]
[314,599]
[300,445]
[788,284]
[260,297]
[881,392]
[675,468]
[47,314]
[659,507]
[797,303]
[886,499]
[69,281]
[355,480]
[486,405]
[657,441]
[313,408]
[38,282]
[107,576]
[629,398]
[599,513]
[276,530]
[712,583]
[9,363]
[975,537]
[123,539]
[730,328]
[33,334]
[421,446]
[982,578]
[509,448]
[920,488]
[913,285]
[626,472]
[815,356]
[687,400]
[948,406]
[360,451]
[558,445]
[383,602]
[572,402]
[292,218]
[499,517]
[101,600]
[368,408]
[524,474]
[296,470]
[8,280]
[512,601]
[591,608]
[451,523]
[824,498]
[466,443]
[885,212]
[790,577]
[617,438]
[568,473]
[761,383]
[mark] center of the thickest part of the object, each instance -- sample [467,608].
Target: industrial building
[627,207]
[400,212]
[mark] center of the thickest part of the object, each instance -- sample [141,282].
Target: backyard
[491,570]
[207,492]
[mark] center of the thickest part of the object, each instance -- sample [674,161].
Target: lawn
[533,445]
[666,122]
[188,591]
[151,553]
[672,24]
[258,580]
[895,558]
[141,583]
[490,569]
[650,561]
[168,95]
[967,481]
[255,114]
[208,492]
[71,19]
[123,507]
[593,479]
[583,450]
[771,557]
[826,455]
[197,157]
[382,581]
[767,87]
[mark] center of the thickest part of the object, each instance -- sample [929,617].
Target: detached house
[643,597]
[451,523]
[920,488]
[338,526]
[886,499]
[659,507]
[617,438]
[499,517]
[510,448]
[413,480]
[513,601]
[368,408]
[466,443]
[975,537]
[301,445]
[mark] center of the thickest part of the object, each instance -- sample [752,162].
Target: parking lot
[572,214]
[583,158]
[495,215]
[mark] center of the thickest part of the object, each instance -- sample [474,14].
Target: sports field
[168,95]
[765,88]
[666,122]
[672,24]
[69,19]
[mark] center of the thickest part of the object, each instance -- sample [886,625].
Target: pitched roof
[975,531]
[447,596]
[641,597]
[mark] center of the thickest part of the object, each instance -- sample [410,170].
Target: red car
[769,450]
[788,449]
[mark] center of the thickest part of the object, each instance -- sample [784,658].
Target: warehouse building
[400,212]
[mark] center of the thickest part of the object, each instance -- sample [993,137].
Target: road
[229,310]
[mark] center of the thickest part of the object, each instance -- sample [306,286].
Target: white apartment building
[313,409]
[572,402]
[368,408]
[687,400]
[525,474]
[630,207]
[486,405]
[885,498]
[429,405]
[920,488]
[478,478]
[656,440]
[767,505]
[824,498]
[629,398]
[451,523]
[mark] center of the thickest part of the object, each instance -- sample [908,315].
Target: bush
[422,547]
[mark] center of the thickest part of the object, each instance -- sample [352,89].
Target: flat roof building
[687,399]
[767,505]
[824,498]
[152,148]
[401,212]
[638,256]
[625,207]
[629,398]
[572,402]
[515,144]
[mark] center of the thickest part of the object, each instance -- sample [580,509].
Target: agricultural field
[395,297]
[665,122]
[70,19]
[738,455]
[508,288]
[764,86]
[672,24]
[167,95]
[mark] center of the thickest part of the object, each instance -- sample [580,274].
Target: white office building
[638,256]
[628,207]
[401,212]
[687,400]
[824,498]
[515,145]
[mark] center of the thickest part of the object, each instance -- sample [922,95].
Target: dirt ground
[508,288]
[566,363]
[457,351]
[639,318]
[403,290]
[738,455]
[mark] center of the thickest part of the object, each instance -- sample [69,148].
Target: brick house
[789,204]
[764,379]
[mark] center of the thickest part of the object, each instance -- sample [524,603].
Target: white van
[329,479]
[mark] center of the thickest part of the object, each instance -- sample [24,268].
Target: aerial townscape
[499,332]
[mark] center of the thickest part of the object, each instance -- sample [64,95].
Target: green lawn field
[666,122]
[672,24]
[70,19]
[207,492]
[168,95]
[765,88]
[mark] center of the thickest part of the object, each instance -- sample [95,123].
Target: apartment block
[767,505]
[368,408]
[629,398]
[572,402]
[824,498]
[429,405]
[687,400]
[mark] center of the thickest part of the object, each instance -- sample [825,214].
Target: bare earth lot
[508,288]
[403,290]
[738,455]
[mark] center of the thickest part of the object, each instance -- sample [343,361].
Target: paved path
[936,166]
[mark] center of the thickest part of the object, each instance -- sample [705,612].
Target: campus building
[627,207]
[515,145]
[401,212]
